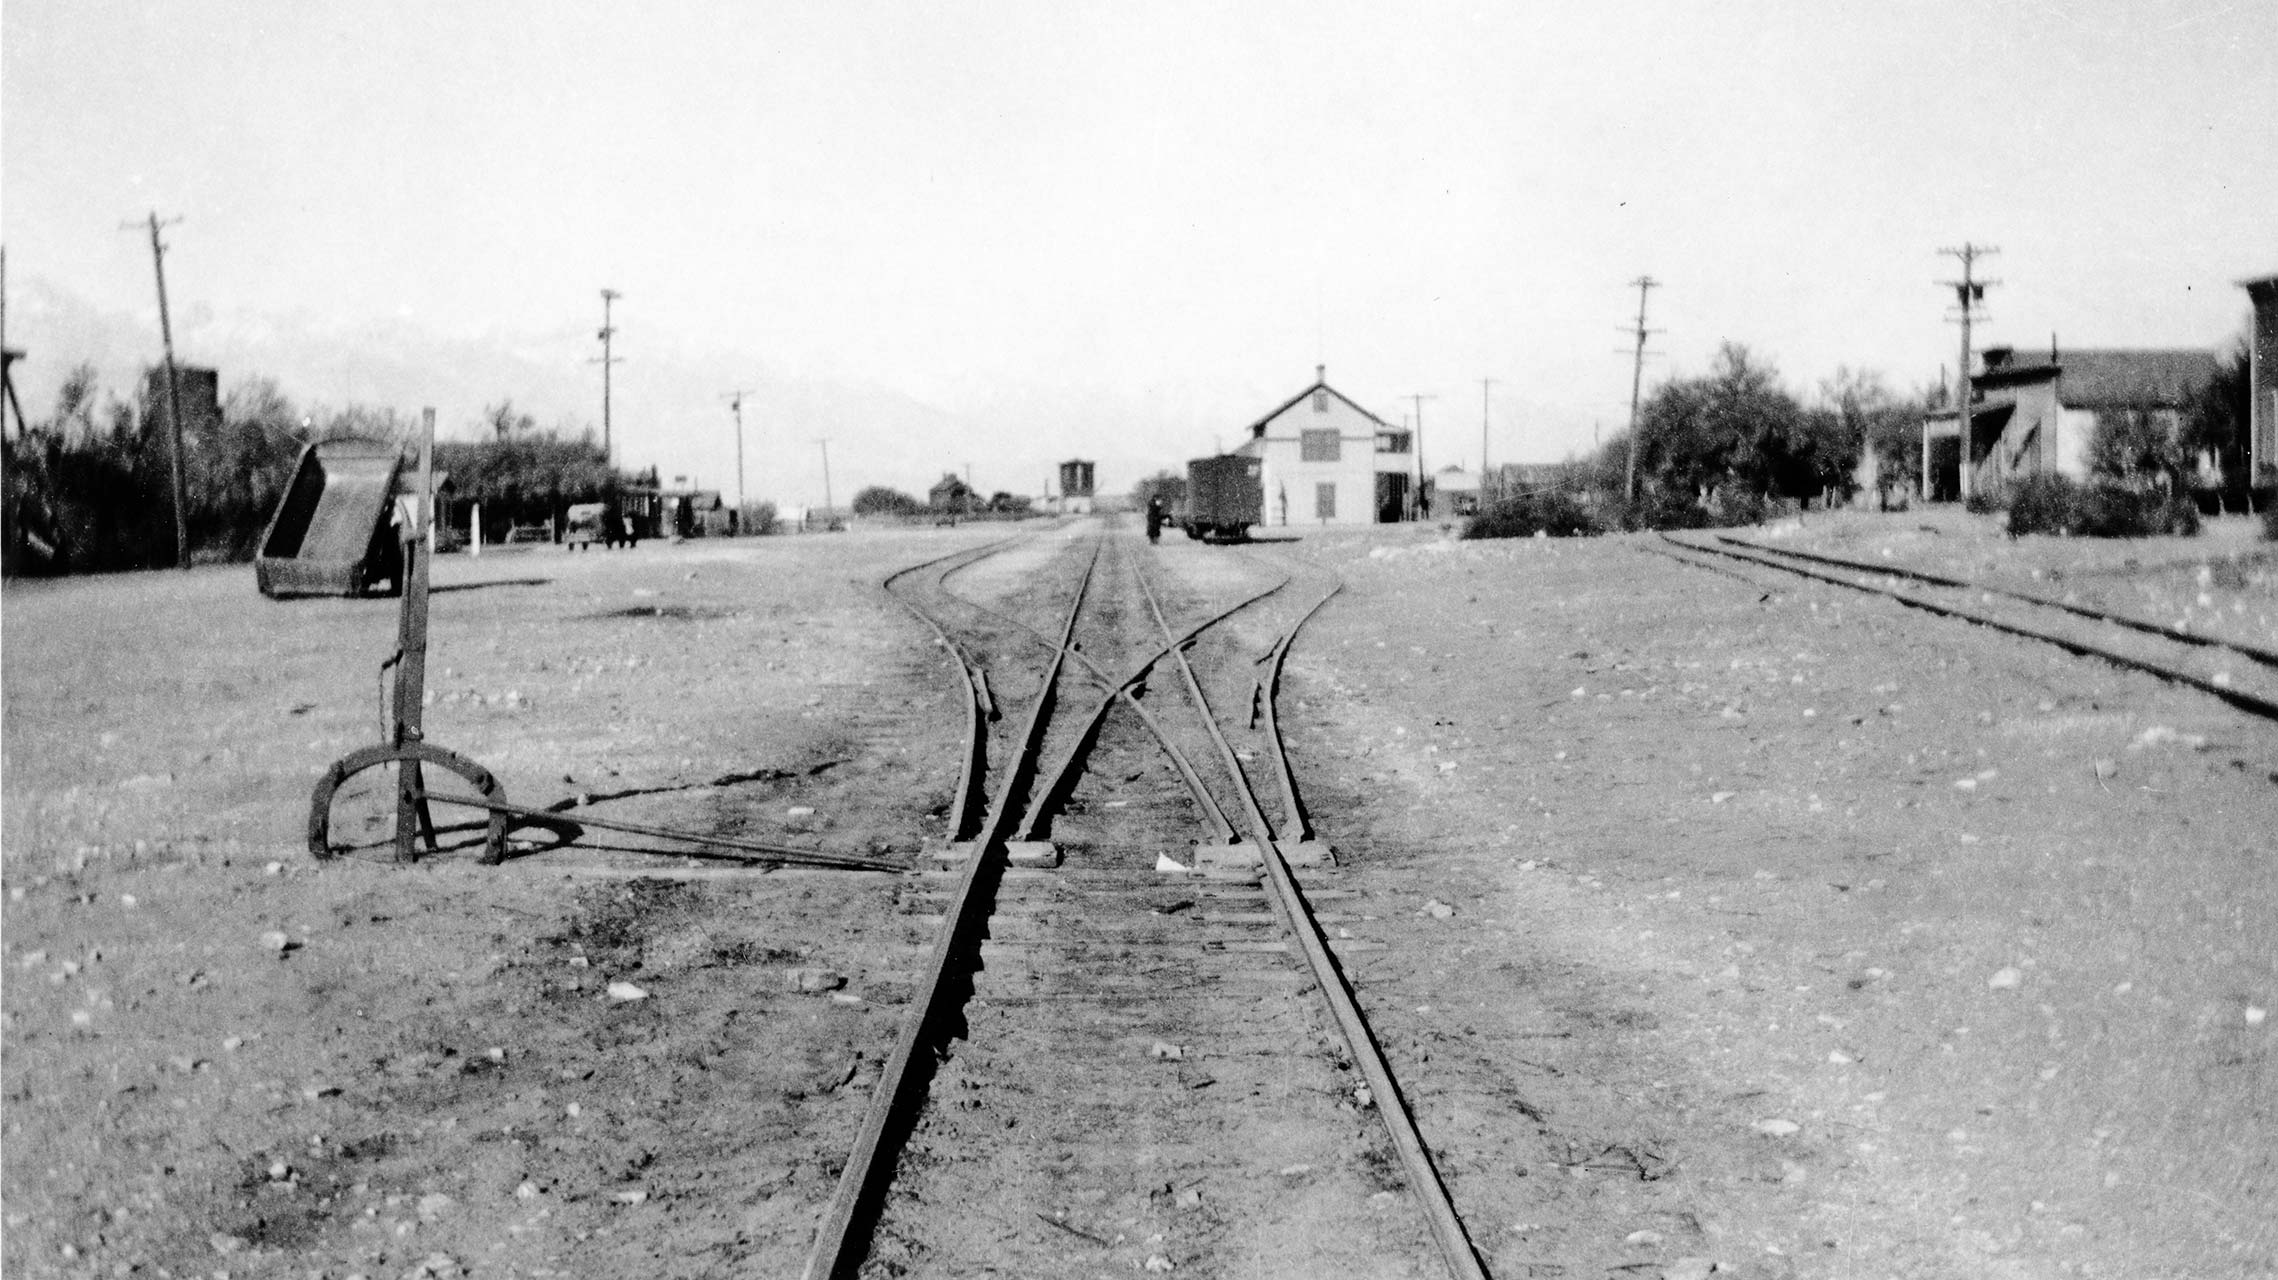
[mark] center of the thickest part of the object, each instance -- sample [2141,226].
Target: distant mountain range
[669,403]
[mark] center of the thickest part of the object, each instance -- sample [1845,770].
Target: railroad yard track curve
[1128,993]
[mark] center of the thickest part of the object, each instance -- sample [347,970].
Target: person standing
[1155,517]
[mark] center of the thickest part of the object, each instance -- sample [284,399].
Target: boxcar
[1225,495]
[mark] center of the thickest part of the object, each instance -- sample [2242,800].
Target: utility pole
[1644,285]
[608,333]
[1484,384]
[173,383]
[1423,508]
[1968,292]
[826,444]
[735,400]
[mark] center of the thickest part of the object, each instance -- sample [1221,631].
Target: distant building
[1329,461]
[1455,492]
[950,494]
[2033,415]
[2262,378]
[1076,487]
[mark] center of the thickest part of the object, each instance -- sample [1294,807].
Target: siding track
[2243,675]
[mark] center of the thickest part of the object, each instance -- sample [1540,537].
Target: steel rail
[1295,826]
[1214,815]
[1440,1217]
[863,1180]
[2244,701]
[2254,651]
[774,852]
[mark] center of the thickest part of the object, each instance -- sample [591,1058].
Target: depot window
[1325,500]
[1317,445]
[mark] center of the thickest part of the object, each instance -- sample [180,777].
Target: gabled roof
[1258,428]
[2140,379]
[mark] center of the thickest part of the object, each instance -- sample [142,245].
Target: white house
[1329,461]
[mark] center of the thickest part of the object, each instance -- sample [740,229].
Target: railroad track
[1132,1045]
[2241,674]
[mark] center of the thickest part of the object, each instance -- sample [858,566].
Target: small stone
[1777,1127]
[1642,1237]
[1438,910]
[273,869]
[225,1244]
[630,1197]
[800,811]
[279,1171]
[527,1191]
[815,981]
[2107,768]
[1165,1051]
[1296,1170]
[435,1204]
[2255,1014]
[276,940]
[232,1044]
[573,1110]
[1191,1198]
[1720,797]
[2005,978]
[1158,1263]
[622,991]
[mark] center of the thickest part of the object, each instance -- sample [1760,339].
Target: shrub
[2055,505]
[1661,510]
[2269,522]
[1552,512]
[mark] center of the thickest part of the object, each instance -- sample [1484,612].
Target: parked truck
[1225,495]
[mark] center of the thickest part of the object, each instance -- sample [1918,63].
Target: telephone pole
[1645,286]
[1968,292]
[608,333]
[173,383]
[735,400]
[1423,507]
[1484,384]
[826,444]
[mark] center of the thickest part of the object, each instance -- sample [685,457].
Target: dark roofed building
[2034,413]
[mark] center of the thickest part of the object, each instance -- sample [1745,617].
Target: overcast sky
[1125,230]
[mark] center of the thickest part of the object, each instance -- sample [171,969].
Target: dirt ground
[1811,936]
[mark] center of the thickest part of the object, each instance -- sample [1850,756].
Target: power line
[1645,285]
[173,383]
[1968,292]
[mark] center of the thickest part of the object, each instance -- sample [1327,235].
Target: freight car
[1225,495]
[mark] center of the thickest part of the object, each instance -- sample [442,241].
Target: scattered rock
[435,1204]
[626,991]
[1437,909]
[142,782]
[814,981]
[2106,768]
[527,1191]
[277,941]
[1721,796]
[2005,978]
[1166,1051]
[631,1197]
[1642,1237]
[225,1244]
[1778,1127]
